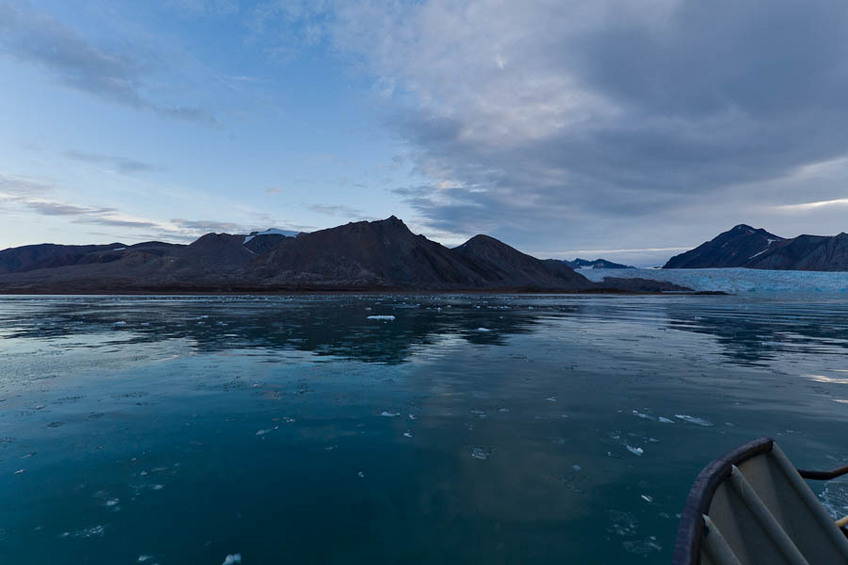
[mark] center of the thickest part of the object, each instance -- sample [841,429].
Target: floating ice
[693,420]
[361,475]
[551,399]
[643,415]
[635,450]
[388,318]
[112,502]
[232,559]
[665,420]
[387,414]
[120,323]
[412,416]
[268,431]
[407,433]
[576,467]
[144,558]
[647,498]
[20,471]
[479,453]
[483,330]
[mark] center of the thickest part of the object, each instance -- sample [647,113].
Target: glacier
[735,280]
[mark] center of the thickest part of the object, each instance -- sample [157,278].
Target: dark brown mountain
[48,255]
[806,253]
[743,246]
[733,248]
[382,255]
[506,267]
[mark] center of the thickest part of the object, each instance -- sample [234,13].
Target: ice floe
[693,420]
[388,318]
[232,559]
[635,450]
[479,453]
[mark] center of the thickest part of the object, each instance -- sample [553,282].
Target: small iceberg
[635,450]
[693,420]
[387,414]
[479,453]
[388,318]
[232,559]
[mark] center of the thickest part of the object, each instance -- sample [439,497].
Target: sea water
[389,429]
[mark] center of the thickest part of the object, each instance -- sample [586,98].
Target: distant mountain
[733,248]
[743,246]
[381,255]
[48,255]
[579,263]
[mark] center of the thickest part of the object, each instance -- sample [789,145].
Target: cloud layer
[40,39]
[573,117]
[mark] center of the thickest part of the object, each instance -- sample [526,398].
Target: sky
[624,129]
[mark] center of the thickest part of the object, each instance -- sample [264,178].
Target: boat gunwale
[687,547]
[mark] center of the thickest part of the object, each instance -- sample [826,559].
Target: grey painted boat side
[752,507]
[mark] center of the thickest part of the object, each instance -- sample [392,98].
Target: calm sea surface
[466,429]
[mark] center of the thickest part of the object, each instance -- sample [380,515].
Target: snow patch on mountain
[271,231]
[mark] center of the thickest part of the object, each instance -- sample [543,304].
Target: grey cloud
[116,222]
[13,186]
[205,7]
[566,122]
[48,208]
[206,226]
[339,210]
[39,38]
[122,164]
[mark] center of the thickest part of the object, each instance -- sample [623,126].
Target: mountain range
[579,263]
[381,255]
[744,246]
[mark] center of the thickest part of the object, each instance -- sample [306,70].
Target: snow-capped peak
[271,231]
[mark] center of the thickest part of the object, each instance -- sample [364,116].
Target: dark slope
[505,267]
[733,248]
[374,254]
[48,255]
[358,256]
[806,253]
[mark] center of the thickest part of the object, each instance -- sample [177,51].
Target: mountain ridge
[744,246]
[382,255]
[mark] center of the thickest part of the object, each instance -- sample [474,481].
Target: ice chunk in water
[407,433]
[232,559]
[387,414]
[479,453]
[483,330]
[635,450]
[693,420]
[388,318]
[665,420]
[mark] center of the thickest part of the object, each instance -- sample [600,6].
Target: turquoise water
[466,429]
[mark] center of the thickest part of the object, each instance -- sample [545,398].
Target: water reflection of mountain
[753,333]
[324,326]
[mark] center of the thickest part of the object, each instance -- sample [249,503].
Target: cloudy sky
[629,129]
